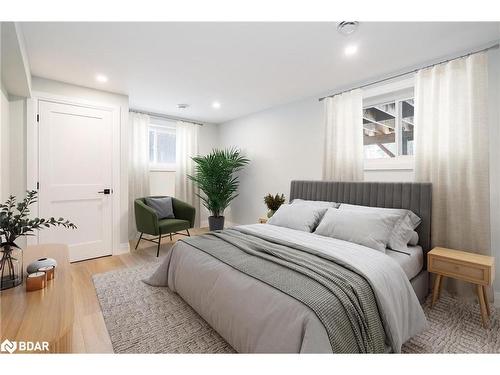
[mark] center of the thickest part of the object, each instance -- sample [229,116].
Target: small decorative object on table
[461,265]
[36,281]
[40,263]
[15,222]
[49,271]
[263,220]
[273,203]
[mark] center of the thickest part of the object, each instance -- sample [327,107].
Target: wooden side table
[263,220]
[474,268]
[45,315]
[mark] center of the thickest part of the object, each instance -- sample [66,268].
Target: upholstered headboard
[411,195]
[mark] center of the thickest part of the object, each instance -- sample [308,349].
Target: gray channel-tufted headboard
[413,196]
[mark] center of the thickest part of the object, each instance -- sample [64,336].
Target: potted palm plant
[15,222]
[215,176]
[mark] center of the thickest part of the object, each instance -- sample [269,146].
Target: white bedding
[412,264]
[254,317]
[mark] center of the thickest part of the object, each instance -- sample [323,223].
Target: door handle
[106,191]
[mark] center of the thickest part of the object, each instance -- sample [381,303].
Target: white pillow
[323,204]
[404,228]
[414,239]
[297,216]
[371,229]
[415,220]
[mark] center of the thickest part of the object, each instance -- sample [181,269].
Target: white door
[75,168]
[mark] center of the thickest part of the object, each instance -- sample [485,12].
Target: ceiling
[247,67]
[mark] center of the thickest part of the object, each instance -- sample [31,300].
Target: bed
[253,284]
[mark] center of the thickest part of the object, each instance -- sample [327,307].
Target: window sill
[397,163]
[161,170]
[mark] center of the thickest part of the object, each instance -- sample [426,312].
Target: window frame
[165,127]
[393,91]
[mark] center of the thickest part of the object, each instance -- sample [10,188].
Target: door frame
[33,156]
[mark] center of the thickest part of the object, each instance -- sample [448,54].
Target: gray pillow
[404,228]
[368,228]
[322,204]
[301,217]
[162,206]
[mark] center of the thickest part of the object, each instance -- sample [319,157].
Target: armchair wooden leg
[187,230]
[170,237]
[139,240]
[158,250]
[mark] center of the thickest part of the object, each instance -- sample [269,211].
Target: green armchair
[147,221]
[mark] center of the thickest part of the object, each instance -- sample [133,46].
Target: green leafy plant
[215,176]
[15,222]
[274,202]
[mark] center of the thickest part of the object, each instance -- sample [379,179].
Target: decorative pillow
[322,204]
[404,228]
[415,220]
[162,206]
[302,217]
[371,229]
[414,239]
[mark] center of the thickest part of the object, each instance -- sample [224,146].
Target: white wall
[17,139]
[3,137]
[4,144]
[283,143]
[91,95]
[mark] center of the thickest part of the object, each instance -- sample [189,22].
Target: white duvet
[254,317]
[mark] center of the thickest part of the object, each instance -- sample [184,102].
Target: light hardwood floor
[89,331]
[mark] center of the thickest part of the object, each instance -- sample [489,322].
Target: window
[388,129]
[161,144]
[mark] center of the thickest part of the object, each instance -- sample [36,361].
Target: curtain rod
[161,115]
[494,46]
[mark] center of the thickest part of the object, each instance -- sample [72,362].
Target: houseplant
[15,222]
[273,203]
[215,176]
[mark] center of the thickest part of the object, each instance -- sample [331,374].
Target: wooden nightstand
[474,268]
[263,220]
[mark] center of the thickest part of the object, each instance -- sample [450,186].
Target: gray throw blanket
[343,300]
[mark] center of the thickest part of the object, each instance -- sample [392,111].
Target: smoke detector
[182,106]
[347,27]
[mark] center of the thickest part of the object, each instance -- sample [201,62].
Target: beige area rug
[145,319]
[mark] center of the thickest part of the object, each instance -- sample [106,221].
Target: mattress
[254,317]
[411,264]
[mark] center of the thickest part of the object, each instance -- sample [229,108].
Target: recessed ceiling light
[347,27]
[182,106]
[216,105]
[101,78]
[351,50]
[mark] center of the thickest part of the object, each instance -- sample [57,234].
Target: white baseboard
[497,299]
[124,248]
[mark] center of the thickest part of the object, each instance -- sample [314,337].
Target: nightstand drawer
[468,272]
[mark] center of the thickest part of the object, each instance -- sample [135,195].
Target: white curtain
[138,185]
[452,150]
[343,155]
[186,146]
